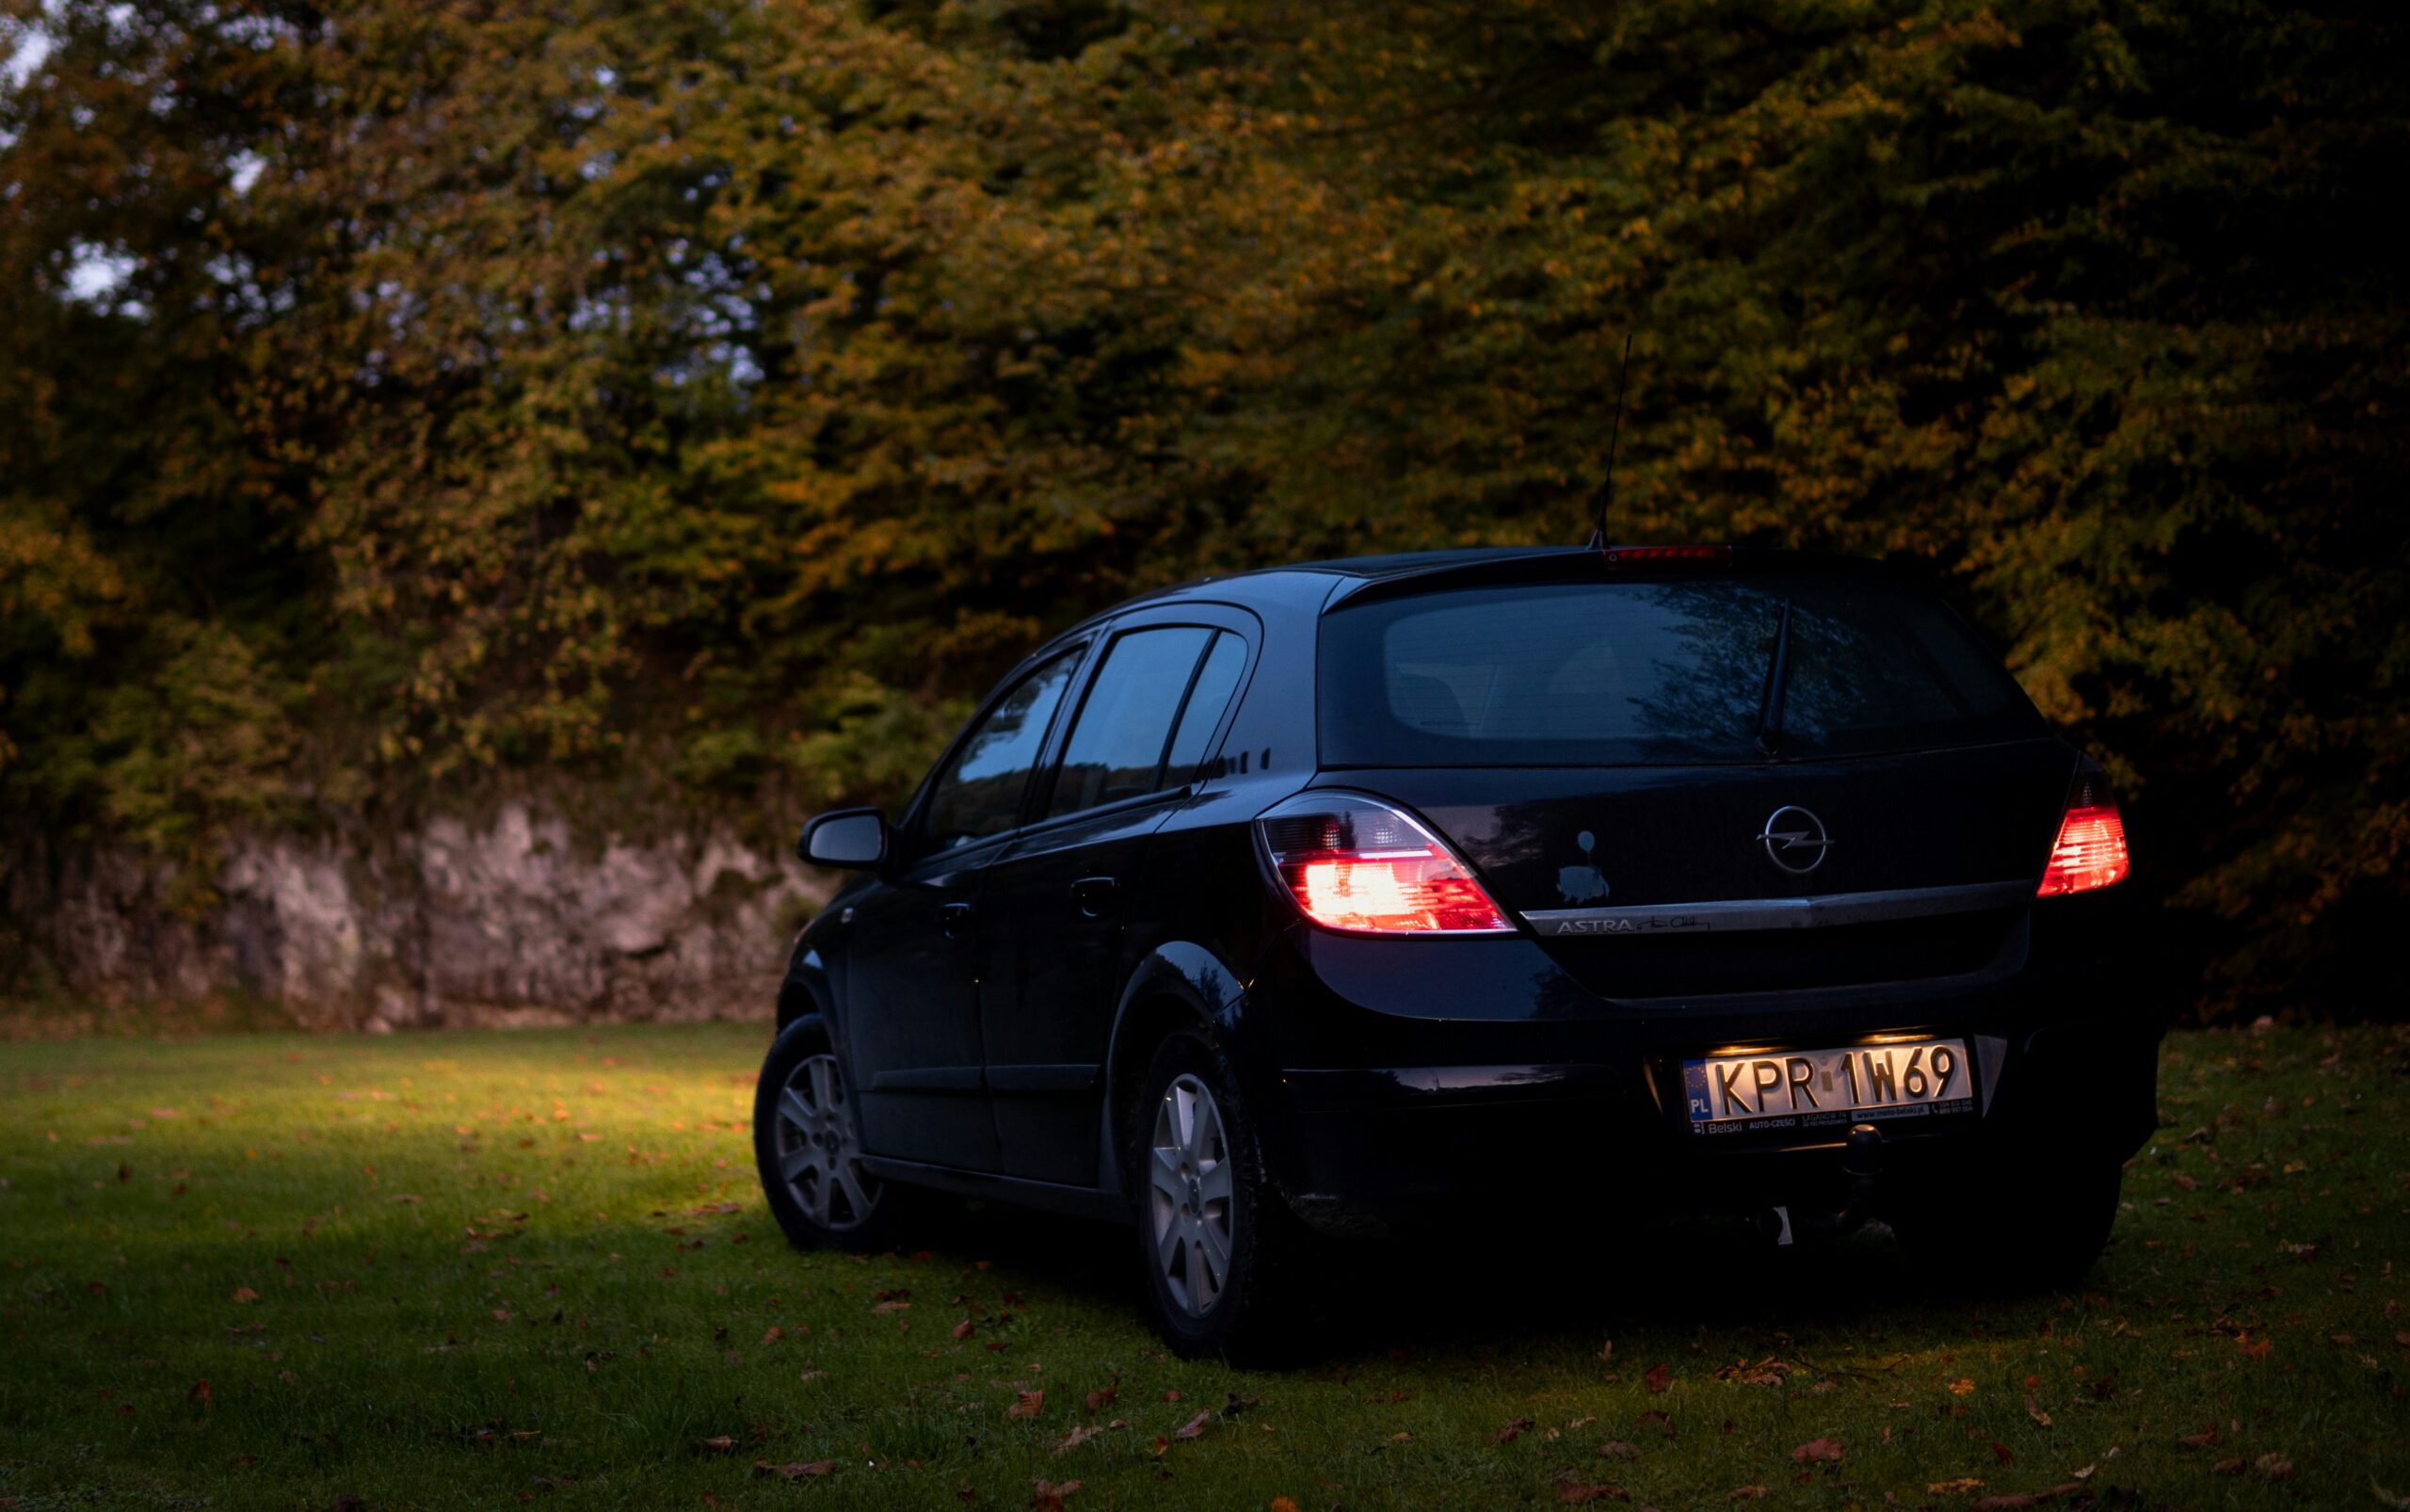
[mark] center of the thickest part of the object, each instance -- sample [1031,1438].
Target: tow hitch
[1861,1161]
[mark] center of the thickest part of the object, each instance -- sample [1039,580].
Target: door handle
[1094,894]
[952,918]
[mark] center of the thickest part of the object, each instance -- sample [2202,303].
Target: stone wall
[510,918]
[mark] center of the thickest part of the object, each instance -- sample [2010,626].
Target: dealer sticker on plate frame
[1810,1089]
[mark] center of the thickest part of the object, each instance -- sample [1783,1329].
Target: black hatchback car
[1329,900]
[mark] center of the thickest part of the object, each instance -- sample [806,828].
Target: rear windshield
[1619,673]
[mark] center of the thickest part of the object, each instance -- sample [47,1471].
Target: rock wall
[508,919]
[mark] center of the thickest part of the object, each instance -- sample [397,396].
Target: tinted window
[1215,682]
[1116,746]
[979,793]
[1621,672]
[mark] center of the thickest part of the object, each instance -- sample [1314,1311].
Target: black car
[1553,884]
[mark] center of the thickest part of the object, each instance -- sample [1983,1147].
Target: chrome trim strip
[1734,914]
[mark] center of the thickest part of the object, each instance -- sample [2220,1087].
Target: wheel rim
[818,1158]
[1196,1239]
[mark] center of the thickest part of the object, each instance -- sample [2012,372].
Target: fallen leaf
[1047,1496]
[964,1328]
[1026,1405]
[1195,1426]
[1954,1488]
[2273,1466]
[1961,1387]
[200,1394]
[719,1445]
[244,1293]
[1076,1438]
[2001,1453]
[2016,1502]
[1574,1493]
[1617,1449]
[2033,1411]
[1511,1432]
[1658,1377]
[1816,1450]
[794,1471]
[1746,1493]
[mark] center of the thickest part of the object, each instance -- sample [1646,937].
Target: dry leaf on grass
[1575,1493]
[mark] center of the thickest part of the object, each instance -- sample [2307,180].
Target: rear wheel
[1219,1247]
[2034,1228]
[806,1145]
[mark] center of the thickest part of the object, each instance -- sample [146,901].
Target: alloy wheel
[818,1156]
[1189,1196]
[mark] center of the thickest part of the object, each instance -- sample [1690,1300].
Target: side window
[979,793]
[1215,682]
[1116,745]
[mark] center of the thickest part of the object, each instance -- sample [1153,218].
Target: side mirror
[851,839]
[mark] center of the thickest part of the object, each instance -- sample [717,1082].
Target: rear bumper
[1478,1078]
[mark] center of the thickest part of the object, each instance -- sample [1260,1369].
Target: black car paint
[1391,1074]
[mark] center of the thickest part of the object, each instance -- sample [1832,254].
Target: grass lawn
[468,1269]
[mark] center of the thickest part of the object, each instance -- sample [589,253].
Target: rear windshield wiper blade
[1777,675]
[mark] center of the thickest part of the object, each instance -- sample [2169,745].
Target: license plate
[1810,1089]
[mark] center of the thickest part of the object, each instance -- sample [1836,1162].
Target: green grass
[448,1269]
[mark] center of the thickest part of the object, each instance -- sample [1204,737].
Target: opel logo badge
[1795,839]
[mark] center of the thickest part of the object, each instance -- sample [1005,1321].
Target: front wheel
[807,1145]
[1219,1247]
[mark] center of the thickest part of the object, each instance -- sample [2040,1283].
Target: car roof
[1370,568]
[1342,577]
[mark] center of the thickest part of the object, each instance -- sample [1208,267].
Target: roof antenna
[1607,485]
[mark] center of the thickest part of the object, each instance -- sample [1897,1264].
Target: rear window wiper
[1777,675]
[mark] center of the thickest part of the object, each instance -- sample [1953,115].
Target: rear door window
[1592,673]
[1216,681]
[1125,724]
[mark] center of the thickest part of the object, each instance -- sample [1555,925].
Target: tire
[807,1147]
[1221,1251]
[2038,1227]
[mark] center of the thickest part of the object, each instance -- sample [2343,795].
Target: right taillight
[2091,848]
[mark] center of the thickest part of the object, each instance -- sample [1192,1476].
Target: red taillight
[1355,864]
[1637,555]
[2091,848]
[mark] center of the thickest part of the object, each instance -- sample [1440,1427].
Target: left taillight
[2090,851]
[1355,864]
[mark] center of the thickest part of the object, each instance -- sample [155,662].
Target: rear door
[1710,784]
[1054,912]
[911,1022]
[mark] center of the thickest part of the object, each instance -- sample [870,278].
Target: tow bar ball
[1861,1162]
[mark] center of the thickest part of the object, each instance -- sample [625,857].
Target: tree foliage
[398,392]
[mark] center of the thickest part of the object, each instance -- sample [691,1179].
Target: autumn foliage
[720,393]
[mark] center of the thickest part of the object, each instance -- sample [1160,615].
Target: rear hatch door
[1709,782]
